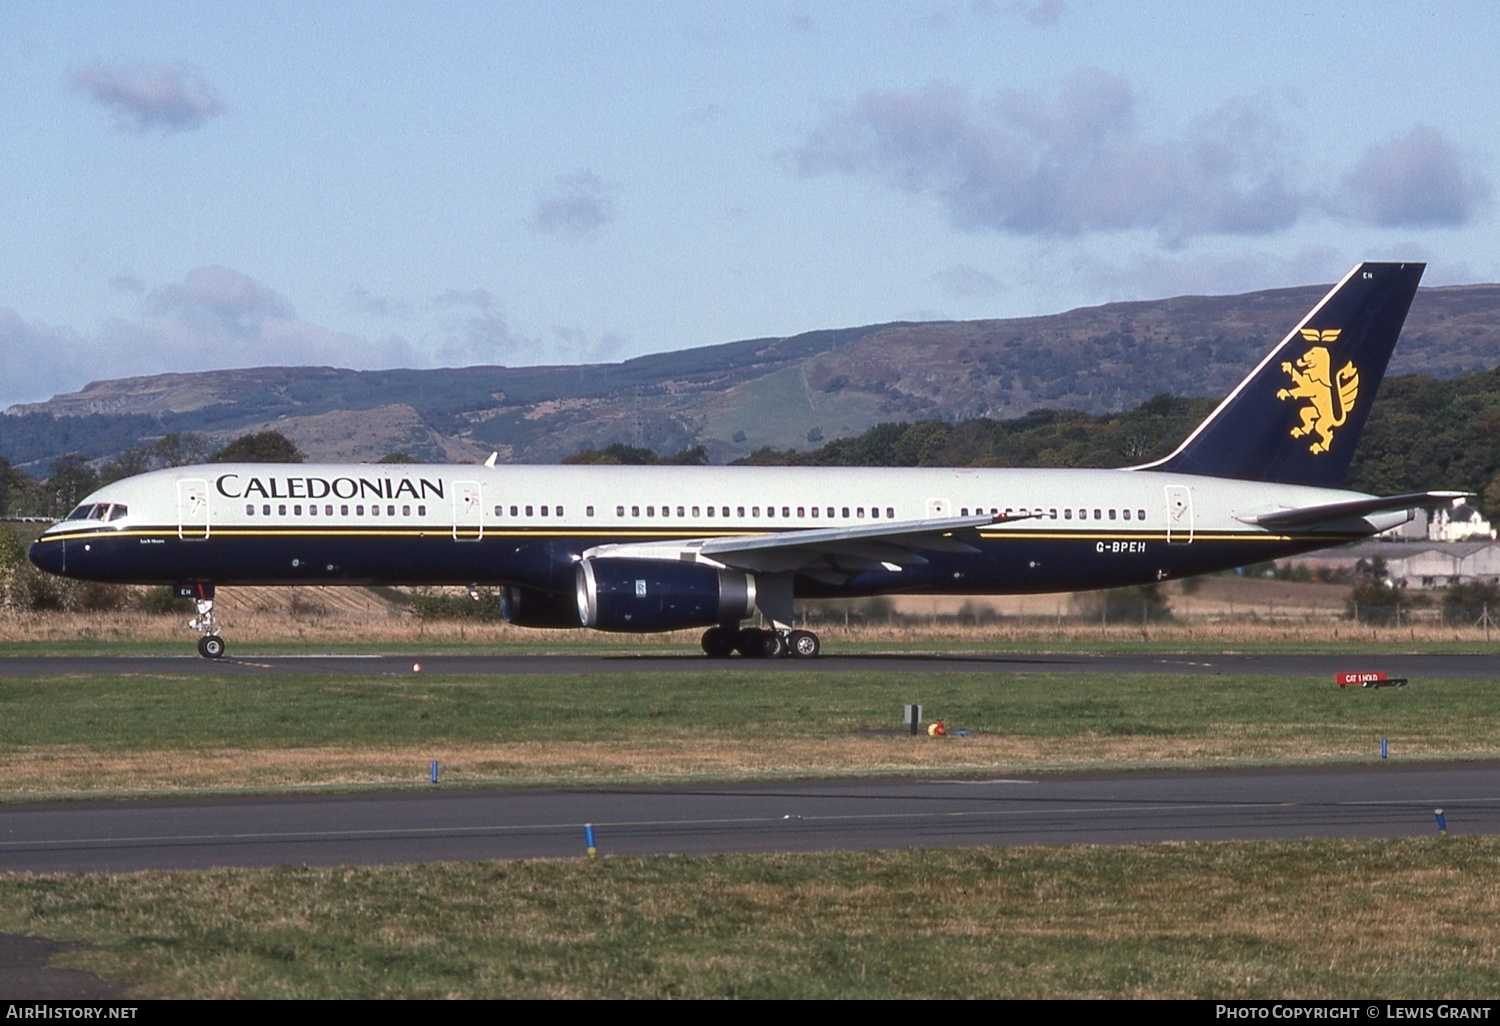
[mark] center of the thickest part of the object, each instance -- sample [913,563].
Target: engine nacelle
[533,607]
[660,595]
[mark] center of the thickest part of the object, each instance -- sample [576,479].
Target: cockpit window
[98,511]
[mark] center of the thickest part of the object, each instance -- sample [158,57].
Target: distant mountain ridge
[734,397]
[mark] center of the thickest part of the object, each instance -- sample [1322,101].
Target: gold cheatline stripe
[464,532]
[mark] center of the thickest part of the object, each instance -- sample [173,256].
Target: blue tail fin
[1297,417]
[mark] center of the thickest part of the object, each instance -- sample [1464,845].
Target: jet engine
[659,595]
[533,607]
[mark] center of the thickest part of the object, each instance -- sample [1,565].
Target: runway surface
[1415,667]
[1374,800]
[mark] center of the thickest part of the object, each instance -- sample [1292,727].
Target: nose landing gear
[210,645]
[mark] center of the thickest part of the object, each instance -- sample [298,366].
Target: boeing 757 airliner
[664,548]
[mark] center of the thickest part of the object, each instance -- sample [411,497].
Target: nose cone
[49,554]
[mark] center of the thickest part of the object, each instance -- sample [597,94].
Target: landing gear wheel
[748,642]
[211,646]
[804,644]
[719,642]
[773,645]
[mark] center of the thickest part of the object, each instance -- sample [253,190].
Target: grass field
[1310,919]
[162,734]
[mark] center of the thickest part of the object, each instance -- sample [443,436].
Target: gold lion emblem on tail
[1329,397]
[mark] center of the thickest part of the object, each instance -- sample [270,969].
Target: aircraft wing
[1312,516]
[832,554]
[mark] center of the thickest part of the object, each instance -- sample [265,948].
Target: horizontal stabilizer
[1309,516]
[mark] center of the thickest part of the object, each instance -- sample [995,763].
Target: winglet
[1295,419]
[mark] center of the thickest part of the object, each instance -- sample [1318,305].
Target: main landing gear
[210,645]
[758,642]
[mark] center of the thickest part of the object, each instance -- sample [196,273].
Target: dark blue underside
[1015,564]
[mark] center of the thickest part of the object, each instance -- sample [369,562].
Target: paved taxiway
[1380,799]
[1414,667]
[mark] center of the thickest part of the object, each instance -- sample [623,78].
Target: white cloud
[1027,164]
[146,96]
[578,206]
[473,330]
[214,318]
[1419,179]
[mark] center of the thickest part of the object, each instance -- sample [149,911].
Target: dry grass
[251,616]
[1297,919]
[77,771]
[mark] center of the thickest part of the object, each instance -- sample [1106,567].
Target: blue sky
[202,185]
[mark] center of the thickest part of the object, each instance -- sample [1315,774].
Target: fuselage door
[1179,515]
[192,509]
[468,511]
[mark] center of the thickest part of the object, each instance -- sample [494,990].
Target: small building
[1458,523]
